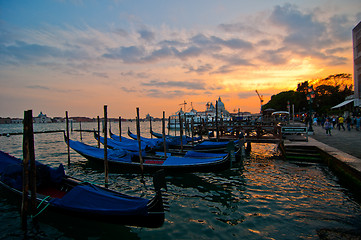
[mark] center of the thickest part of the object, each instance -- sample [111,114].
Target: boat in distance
[58,193]
[123,160]
[202,145]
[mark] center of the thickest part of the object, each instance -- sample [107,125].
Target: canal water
[263,197]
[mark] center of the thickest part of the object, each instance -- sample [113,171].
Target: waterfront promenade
[346,141]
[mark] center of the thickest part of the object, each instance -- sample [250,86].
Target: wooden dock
[249,133]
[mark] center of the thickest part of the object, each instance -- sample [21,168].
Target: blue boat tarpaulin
[90,198]
[184,161]
[11,171]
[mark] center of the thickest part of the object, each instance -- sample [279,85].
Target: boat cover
[124,139]
[90,151]
[212,145]
[153,142]
[92,199]
[126,145]
[175,141]
[11,171]
[187,161]
[196,154]
[188,139]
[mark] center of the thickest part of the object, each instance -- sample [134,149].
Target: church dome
[220,103]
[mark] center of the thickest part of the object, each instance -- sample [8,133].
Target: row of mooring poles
[105,127]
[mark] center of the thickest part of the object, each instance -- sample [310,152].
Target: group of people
[329,123]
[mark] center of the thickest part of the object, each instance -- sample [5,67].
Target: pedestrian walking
[358,123]
[340,123]
[348,123]
[328,127]
[334,121]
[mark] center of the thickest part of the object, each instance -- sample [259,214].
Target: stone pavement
[345,141]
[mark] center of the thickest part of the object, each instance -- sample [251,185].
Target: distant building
[148,117]
[16,120]
[42,118]
[355,98]
[5,120]
[356,36]
[211,110]
[58,119]
[82,119]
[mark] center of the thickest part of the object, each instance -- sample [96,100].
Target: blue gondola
[63,194]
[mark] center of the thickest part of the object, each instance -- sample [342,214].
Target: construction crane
[260,99]
[184,105]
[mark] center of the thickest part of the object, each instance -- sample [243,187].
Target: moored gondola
[125,161]
[57,192]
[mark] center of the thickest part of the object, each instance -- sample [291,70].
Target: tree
[279,102]
[329,92]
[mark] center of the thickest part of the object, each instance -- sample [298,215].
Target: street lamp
[310,97]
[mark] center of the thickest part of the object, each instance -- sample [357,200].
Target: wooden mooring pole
[150,127]
[181,130]
[139,142]
[81,137]
[67,135]
[106,167]
[192,131]
[98,119]
[217,133]
[28,179]
[163,133]
[120,129]
[168,125]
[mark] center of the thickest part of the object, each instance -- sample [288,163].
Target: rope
[94,183]
[43,207]
[43,201]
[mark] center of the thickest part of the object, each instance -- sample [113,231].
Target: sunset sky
[79,55]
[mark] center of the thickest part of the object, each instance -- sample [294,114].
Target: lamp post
[310,97]
[289,111]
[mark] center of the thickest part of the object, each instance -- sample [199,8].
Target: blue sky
[77,56]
